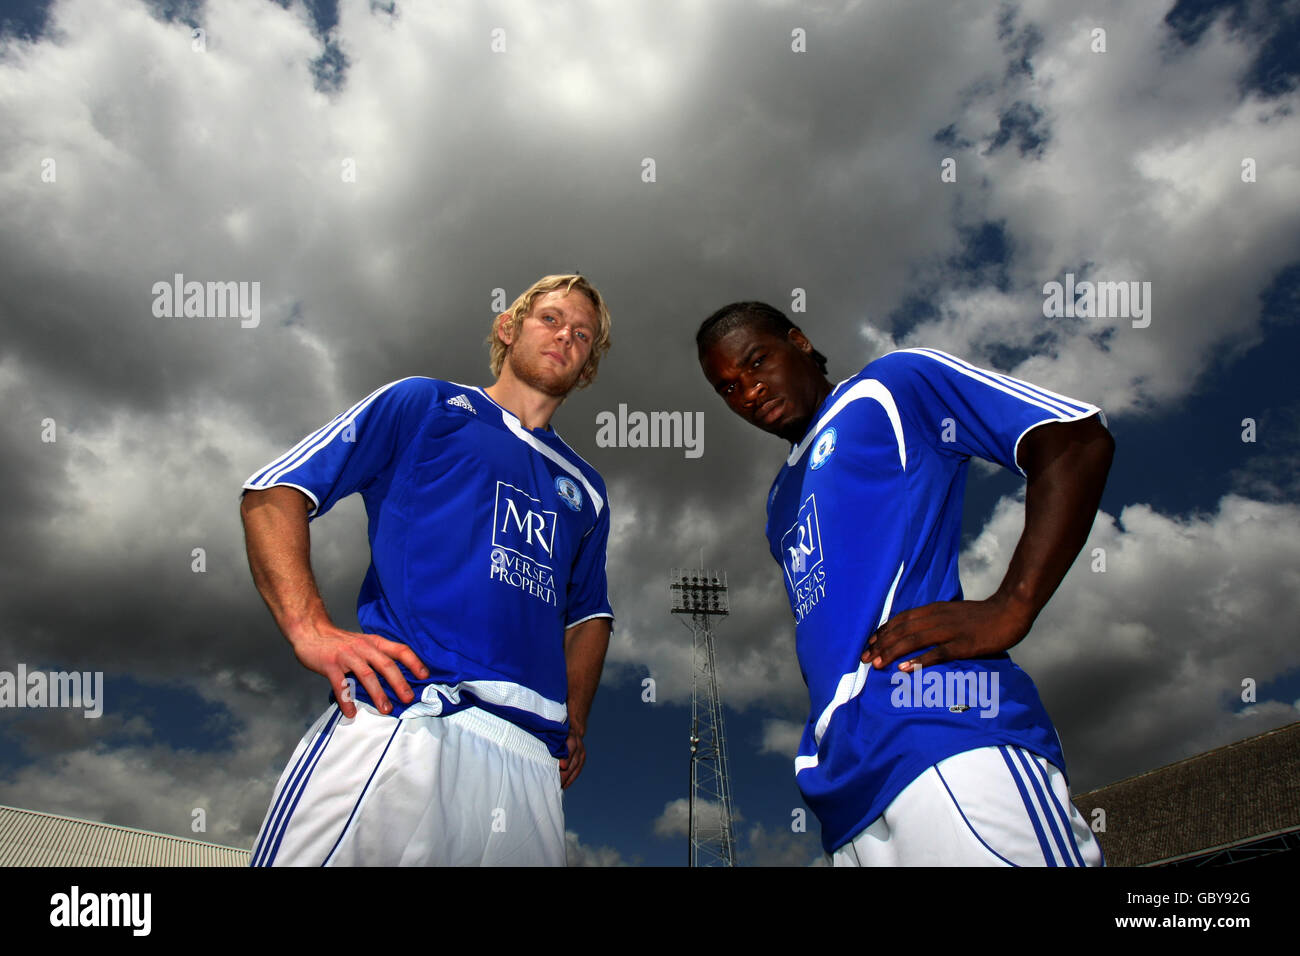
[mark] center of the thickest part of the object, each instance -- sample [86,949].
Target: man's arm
[279,555]
[584,656]
[1066,464]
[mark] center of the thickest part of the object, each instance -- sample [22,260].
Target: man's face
[770,381]
[553,342]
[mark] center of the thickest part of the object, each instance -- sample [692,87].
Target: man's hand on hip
[333,653]
[571,765]
[953,630]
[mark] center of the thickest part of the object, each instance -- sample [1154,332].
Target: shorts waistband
[501,732]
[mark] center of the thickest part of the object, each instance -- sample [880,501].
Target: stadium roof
[31,838]
[1231,797]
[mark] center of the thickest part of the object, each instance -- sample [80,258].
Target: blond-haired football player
[458,714]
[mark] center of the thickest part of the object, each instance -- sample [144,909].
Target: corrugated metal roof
[1224,797]
[32,838]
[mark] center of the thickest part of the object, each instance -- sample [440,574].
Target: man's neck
[533,408]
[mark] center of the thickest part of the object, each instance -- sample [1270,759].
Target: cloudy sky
[906,174]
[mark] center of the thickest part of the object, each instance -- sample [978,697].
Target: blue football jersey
[487,541]
[865,520]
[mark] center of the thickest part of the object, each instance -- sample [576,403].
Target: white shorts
[995,806]
[469,789]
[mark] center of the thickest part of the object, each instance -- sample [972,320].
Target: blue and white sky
[136,148]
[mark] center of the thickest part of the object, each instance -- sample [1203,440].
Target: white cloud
[1134,187]
[674,821]
[150,785]
[781,737]
[784,848]
[579,854]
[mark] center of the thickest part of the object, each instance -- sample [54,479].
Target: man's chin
[774,427]
[786,427]
[560,392]
[560,386]
[556,386]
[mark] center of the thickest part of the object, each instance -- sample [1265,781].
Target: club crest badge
[568,491]
[823,448]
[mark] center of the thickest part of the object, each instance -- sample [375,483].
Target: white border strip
[867,388]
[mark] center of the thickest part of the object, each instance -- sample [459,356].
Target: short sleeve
[961,409]
[588,588]
[354,449]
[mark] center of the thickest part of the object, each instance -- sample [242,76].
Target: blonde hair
[524,304]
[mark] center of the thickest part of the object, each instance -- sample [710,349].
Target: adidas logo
[460,401]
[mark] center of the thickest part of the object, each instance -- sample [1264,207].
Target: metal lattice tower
[701,596]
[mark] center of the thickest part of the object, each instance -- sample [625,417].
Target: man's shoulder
[421,404]
[434,394]
[411,388]
[468,397]
[914,375]
[898,371]
[918,360]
